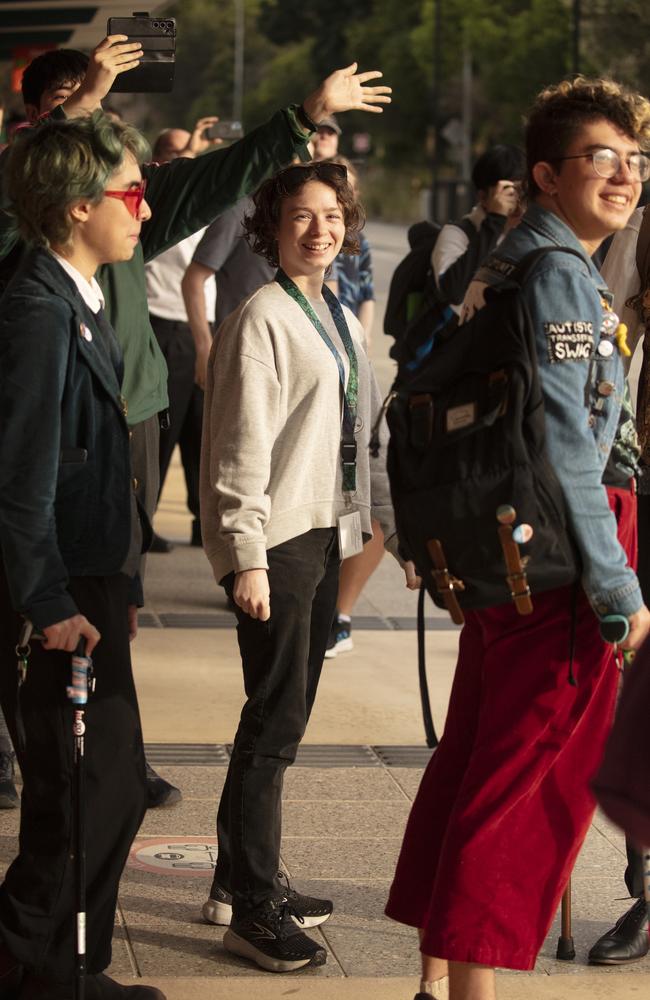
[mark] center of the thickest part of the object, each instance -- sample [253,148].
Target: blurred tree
[516,47]
[203,82]
[617,38]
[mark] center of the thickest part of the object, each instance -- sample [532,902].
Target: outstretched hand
[347,90]
[115,54]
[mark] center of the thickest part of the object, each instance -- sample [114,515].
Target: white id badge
[350,537]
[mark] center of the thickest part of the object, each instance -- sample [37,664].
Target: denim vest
[583,385]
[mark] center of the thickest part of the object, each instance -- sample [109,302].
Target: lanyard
[351,394]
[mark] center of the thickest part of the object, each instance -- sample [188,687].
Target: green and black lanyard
[351,393]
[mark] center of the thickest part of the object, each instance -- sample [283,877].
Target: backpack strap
[521,271]
[427,717]
[643,249]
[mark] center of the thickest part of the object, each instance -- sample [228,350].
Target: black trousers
[37,897]
[185,405]
[282,661]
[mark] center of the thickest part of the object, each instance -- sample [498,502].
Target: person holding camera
[70,539]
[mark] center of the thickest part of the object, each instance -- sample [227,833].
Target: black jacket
[65,486]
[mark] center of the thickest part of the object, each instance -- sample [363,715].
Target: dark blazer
[65,487]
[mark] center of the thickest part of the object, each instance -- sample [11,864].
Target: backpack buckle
[446,583]
[516,567]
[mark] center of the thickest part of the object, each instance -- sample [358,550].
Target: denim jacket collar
[551,227]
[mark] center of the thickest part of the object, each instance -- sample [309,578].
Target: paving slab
[368,696]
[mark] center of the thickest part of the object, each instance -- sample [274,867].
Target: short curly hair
[262,226]
[560,111]
[54,164]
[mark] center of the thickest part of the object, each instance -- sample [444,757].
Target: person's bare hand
[132,619]
[201,366]
[115,54]
[502,199]
[252,594]
[198,143]
[639,628]
[66,634]
[413,581]
[474,299]
[347,90]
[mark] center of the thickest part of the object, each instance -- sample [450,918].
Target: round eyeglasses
[607,163]
[132,198]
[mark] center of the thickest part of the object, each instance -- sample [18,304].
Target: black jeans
[37,901]
[185,405]
[282,661]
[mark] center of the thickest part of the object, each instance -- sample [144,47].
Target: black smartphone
[155,74]
[224,130]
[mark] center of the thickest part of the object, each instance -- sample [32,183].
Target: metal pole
[466,165]
[238,76]
[435,103]
[575,48]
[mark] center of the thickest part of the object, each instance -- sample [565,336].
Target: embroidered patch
[569,341]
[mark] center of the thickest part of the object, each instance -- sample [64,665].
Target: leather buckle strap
[446,583]
[516,578]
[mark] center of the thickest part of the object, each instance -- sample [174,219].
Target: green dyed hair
[56,163]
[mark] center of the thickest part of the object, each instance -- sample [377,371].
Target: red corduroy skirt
[504,805]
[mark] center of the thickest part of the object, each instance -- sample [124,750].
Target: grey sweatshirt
[270,460]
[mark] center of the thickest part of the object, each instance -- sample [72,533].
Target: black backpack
[468,440]
[416,310]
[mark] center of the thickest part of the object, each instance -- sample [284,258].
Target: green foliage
[205,60]
[516,46]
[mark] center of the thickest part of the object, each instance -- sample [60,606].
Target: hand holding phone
[114,55]
[228,130]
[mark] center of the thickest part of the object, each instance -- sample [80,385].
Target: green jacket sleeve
[186,195]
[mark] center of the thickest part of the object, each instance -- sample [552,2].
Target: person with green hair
[70,542]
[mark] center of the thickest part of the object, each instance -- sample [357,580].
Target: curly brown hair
[560,111]
[262,226]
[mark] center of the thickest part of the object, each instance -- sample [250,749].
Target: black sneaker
[8,795]
[268,936]
[340,637]
[160,544]
[160,792]
[307,911]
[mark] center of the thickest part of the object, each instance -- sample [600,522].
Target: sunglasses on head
[132,198]
[300,173]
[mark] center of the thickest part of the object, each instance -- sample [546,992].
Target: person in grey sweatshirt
[288,488]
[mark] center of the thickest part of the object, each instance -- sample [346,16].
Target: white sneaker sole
[240,946]
[344,646]
[220,914]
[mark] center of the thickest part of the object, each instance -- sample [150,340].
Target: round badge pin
[522,534]
[605,348]
[610,322]
[506,514]
[605,388]
[86,333]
